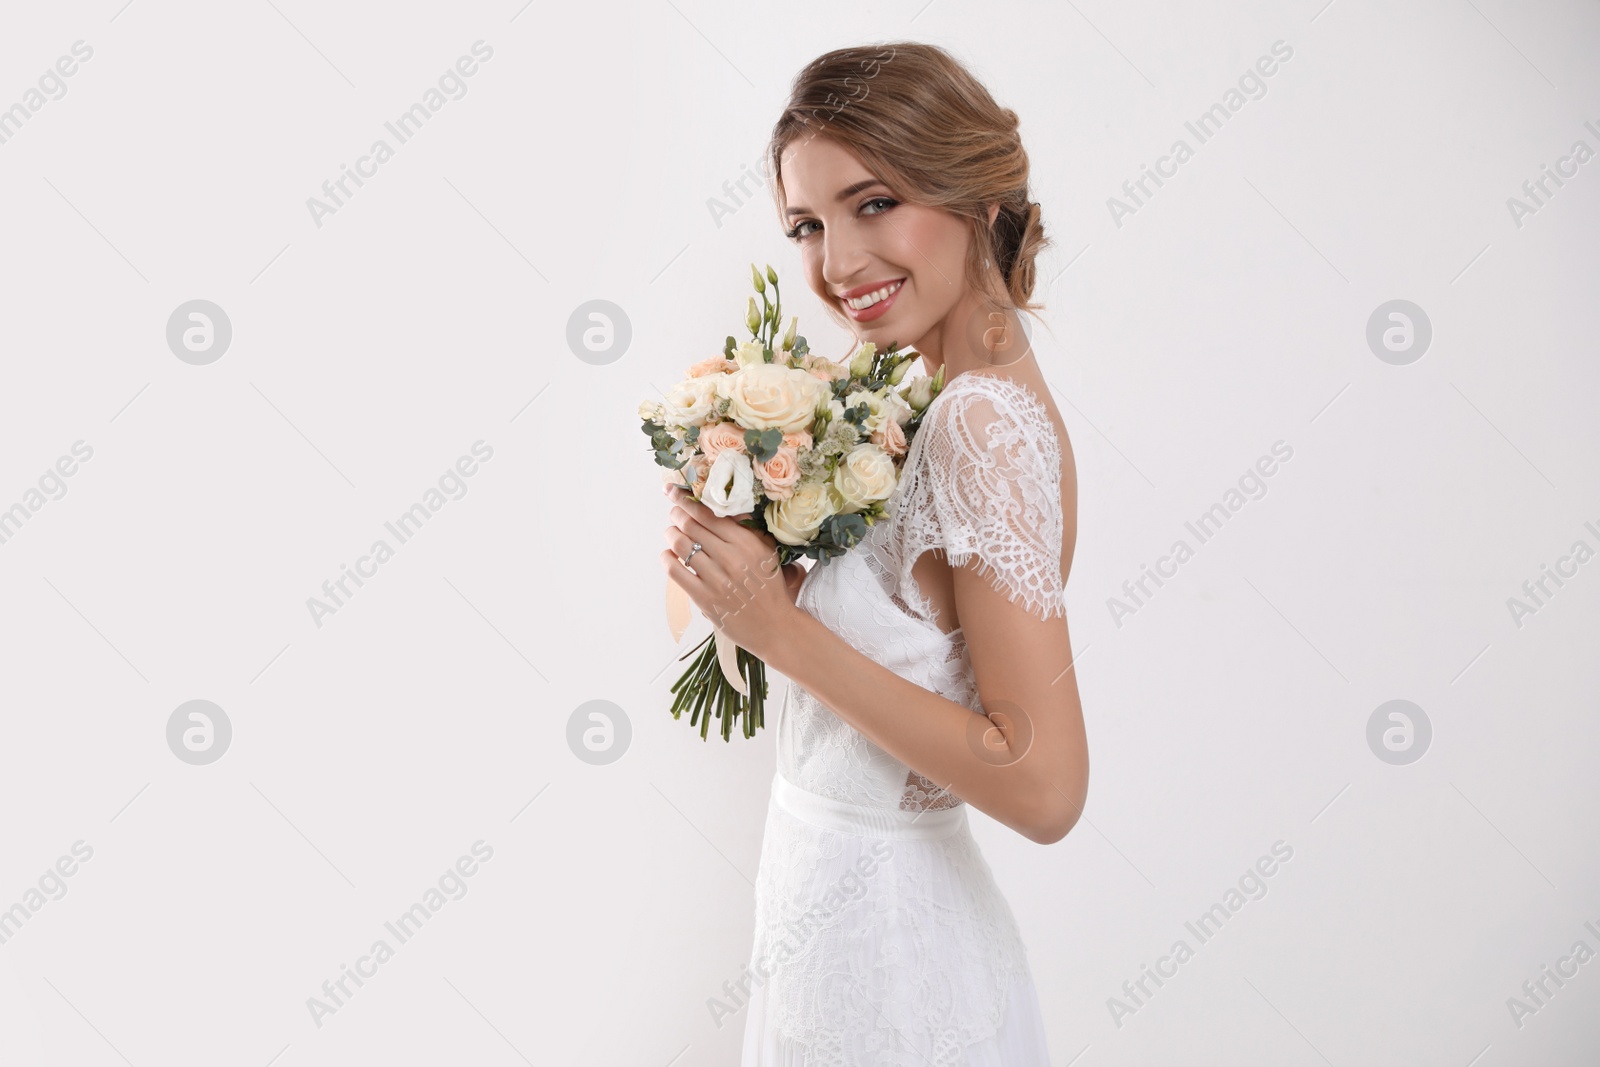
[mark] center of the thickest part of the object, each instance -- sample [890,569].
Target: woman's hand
[793,576]
[735,579]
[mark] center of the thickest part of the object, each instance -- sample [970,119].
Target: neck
[974,336]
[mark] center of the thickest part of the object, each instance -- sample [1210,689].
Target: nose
[844,259]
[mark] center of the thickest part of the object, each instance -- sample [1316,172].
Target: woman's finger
[710,570]
[699,511]
[705,530]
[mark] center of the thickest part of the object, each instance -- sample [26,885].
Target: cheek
[811,264]
[931,247]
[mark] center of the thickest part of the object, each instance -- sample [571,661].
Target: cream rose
[689,402]
[730,484]
[864,476]
[768,396]
[796,520]
[749,354]
[877,410]
[780,474]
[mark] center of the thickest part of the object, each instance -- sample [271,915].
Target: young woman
[931,666]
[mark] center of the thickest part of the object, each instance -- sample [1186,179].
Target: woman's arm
[1026,764]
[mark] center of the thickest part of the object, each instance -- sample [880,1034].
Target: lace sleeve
[993,479]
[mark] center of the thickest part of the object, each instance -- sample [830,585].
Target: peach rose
[828,370]
[714,365]
[700,467]
[718,436]
[779,474]
[891,438]
[797,441]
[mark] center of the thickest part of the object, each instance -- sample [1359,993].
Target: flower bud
[898,374]
[788,335]
[919,394]
[752,318]
[761,286]
[772,275]
[861,365]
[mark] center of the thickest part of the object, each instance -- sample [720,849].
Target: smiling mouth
[861,303]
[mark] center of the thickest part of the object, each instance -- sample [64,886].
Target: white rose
[796,520]
[689,402]
[876,410]
[730,484]
[896,407]
[749,354]
[865,476]
[650,410]
[770,396]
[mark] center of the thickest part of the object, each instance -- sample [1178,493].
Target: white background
[430,312]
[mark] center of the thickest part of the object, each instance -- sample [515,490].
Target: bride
[931,666]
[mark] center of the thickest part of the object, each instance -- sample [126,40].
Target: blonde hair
[920,122]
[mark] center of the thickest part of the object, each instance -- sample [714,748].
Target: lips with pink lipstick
[867,302]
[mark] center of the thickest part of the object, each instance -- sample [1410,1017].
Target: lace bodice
[982,478]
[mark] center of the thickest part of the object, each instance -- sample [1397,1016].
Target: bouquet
[810,449]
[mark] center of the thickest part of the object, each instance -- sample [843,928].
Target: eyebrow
[844,194]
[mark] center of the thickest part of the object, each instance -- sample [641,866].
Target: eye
[799,232]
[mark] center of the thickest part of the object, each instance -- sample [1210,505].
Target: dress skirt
[882,940]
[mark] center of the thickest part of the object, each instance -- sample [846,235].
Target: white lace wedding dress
[881,937]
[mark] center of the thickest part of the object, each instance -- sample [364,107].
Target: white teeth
[860,303]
